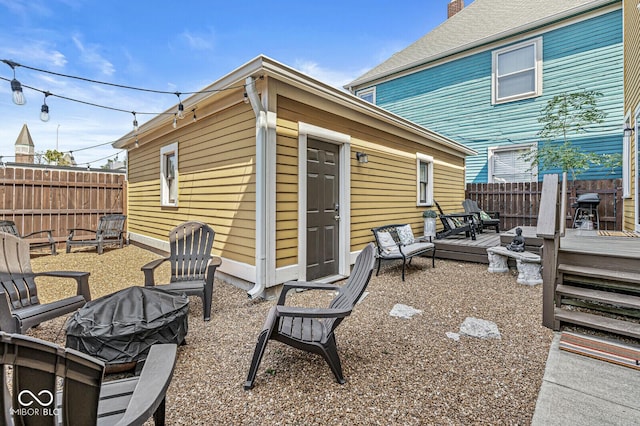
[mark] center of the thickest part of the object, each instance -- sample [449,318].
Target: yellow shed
[290,172]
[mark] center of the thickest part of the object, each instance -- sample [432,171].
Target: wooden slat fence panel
[518,203]
[59,198]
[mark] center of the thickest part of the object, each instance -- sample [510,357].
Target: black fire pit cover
[121,327]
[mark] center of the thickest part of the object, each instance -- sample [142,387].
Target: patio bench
[396,242]
[528,264]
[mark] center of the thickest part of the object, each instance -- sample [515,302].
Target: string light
[246,98]
[135,122]
[194,114]
[16,87]
[180,107]
[175,121]
[44,110]
[136,143]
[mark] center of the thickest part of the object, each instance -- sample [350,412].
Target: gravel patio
[398,371]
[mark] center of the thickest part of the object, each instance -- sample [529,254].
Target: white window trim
[164,185]
[493,149]
[626,159]
[369,90]
[636,126]
[537,47]
[421,158]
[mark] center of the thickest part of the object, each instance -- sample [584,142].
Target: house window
[517,72]
[169,175]
[424,181]
[368,95]
[506,164]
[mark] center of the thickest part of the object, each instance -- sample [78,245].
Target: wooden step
[609,325]
[604,274]
[608,297]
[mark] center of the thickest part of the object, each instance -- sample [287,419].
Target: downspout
[261,188]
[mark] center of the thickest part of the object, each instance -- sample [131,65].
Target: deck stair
[601,298]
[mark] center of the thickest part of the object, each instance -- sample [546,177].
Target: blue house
[482,77]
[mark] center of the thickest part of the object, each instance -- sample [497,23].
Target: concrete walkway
[578,390]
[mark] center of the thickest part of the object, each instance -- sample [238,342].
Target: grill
[586,215]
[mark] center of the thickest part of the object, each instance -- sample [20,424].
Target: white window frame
[171,149]
[626,159]
[366,92]
[636,126]
[492,150]
[537,47]
[428,160]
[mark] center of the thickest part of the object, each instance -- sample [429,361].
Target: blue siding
[454,98]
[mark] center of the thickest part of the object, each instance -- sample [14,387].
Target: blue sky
[177,46]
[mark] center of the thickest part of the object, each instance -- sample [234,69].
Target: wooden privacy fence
[518,203]
[59,198]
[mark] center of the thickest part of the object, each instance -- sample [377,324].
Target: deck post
[548,230]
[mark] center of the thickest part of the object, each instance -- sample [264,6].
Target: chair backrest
[190,244]
[470,206]
[36,365]
[111,226]
[9,227]
[357,283]
[16,278]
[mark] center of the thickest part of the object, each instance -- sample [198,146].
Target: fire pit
[121,327]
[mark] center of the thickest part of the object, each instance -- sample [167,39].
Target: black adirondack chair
[482,219]
[456,223]
[110,231]
[85,399]
[192,266]
[20,307]
[44,240]
[313,329]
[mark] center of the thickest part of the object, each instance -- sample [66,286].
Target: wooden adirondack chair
[10,227]
[482,219]
[20,307]
[85,399]
[192,266]
[110,231]
[312,329]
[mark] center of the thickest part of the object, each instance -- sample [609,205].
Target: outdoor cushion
[386,242]
[405,234]
[454,222]
[416,247]
[484,215]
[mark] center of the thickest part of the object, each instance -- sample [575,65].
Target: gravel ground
[398,371]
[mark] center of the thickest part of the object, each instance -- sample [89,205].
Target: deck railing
[549,230]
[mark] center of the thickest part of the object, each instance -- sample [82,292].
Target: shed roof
[483,21]
[24,138]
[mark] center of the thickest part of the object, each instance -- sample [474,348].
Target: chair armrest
[152,387]
[148,270]
[7,322]
[290,311]
[82,280]
[44,231]
[72,232]
[303,285]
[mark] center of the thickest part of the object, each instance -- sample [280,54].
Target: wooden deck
[458,247]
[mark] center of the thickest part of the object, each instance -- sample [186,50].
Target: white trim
[626,158]
[306,130]
[422,158]
[636,125]
[537,52]
[493,149]
[164,186]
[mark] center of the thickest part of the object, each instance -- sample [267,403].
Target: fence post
[548,230]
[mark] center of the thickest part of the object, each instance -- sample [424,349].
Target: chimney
[454,7]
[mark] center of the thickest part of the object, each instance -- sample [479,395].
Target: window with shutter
[506,164]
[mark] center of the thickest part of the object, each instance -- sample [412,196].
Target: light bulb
[44,113]
[194,115]
[136,144]
[135,125]
[180,111]
[175,121]
[18,96]
[246,98]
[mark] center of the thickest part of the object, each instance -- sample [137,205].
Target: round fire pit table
[121,328]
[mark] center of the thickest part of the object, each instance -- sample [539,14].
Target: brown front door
[322,209]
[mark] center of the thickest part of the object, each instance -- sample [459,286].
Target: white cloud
[91,56]
[202,41]
[335,78]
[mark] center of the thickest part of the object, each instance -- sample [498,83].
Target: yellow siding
[631,92]
[216,181]
[382,190]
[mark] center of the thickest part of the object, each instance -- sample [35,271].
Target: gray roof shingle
[480,22]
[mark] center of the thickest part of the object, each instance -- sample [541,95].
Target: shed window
[517,71]
[507,165]
[424,181]
[169,175]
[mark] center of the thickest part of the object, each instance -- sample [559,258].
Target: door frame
[343,140]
